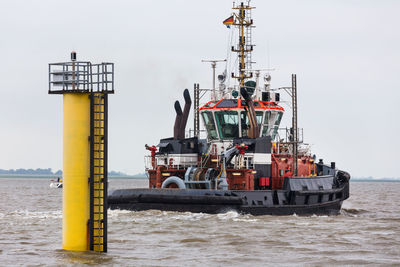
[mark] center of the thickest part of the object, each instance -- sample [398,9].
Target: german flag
[228,22]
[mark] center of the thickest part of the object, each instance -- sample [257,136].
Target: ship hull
[331,208]
[255,202]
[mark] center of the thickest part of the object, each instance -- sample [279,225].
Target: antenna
[213,66]
[244,23]
[268,55]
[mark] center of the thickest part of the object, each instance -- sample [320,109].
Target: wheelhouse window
[272,120]
[277,121]
[244,121]
[265,131]
[209,124]
[227,124]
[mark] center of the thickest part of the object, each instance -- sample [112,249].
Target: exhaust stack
[178,120]
[185,115]
[253,131]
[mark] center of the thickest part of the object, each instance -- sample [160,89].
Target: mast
[244,47]
[213,66]
[294,125]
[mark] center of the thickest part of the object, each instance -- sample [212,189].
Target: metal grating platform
[81,77]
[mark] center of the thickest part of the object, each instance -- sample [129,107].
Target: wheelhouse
[228,118]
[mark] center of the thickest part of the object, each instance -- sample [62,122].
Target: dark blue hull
[301,196]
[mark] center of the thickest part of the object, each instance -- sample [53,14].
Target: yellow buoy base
[76,171]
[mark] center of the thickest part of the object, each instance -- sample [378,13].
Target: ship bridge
[228,118]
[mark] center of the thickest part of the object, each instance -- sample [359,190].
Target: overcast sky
[346,55]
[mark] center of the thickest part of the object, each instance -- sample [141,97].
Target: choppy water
[366,233]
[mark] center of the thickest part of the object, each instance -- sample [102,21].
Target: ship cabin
[221,118]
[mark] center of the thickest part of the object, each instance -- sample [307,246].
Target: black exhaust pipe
[178,119]
[185,115]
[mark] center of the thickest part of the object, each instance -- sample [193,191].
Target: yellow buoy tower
[85,88]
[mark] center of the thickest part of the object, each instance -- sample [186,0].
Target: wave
[156,215]
[352,212]
[116,213]
[26,214]
[236,217]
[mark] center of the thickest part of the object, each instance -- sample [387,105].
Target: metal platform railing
[81,76]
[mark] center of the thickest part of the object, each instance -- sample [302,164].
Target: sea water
[367,232]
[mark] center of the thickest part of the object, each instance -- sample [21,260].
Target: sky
[345,53]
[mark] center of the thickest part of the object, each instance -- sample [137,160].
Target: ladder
[98,172]
[294,125]
[249,60]
[196,110]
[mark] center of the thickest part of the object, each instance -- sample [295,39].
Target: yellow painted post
[76,171]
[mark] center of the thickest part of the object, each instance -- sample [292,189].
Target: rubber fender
[174,180]
[343,176]
[187,199]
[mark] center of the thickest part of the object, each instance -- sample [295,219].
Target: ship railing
[81,76]
[204,160]
[284,141]
[284,135]
[170,161]
[286,148]
[191,133]
[184,162]
[243,162]
[148,163]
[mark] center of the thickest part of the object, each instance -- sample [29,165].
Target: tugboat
[246,163]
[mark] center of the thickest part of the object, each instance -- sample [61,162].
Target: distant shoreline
[53,176]
[375,180]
